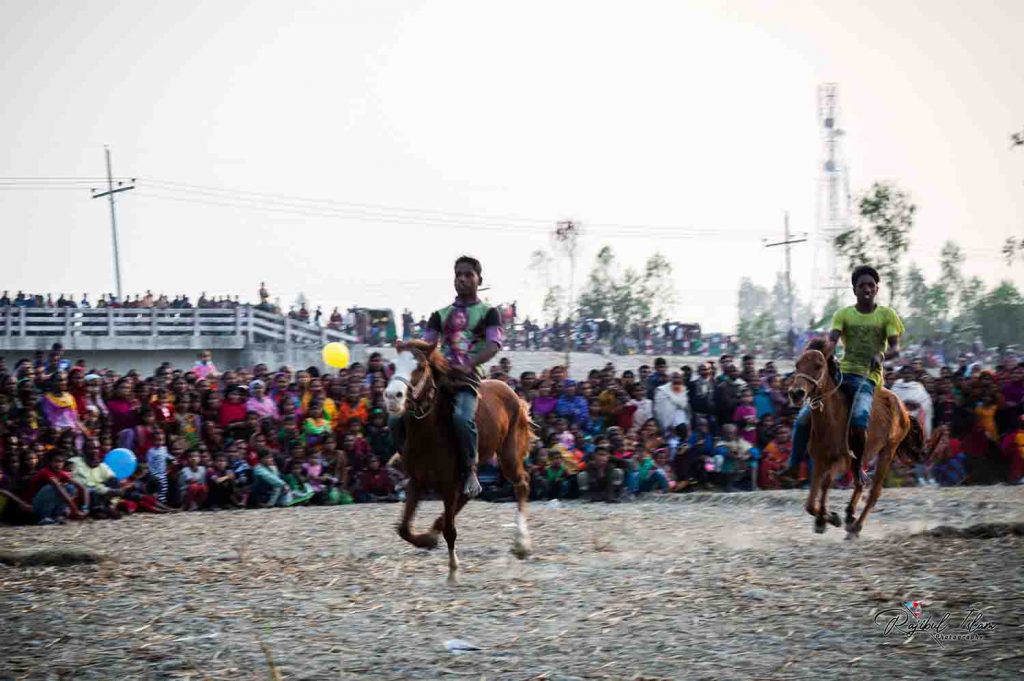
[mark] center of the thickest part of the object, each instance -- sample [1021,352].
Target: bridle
[416,408]
[818,401]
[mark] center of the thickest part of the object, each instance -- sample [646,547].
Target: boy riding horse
[870,335]
[470,335]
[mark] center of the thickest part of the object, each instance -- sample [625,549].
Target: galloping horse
[419,391]
[890,430]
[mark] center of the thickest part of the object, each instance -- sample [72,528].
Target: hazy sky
[417,118]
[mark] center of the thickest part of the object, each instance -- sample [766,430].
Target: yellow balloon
[336,355]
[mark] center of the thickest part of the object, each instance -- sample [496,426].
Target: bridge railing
[252,325]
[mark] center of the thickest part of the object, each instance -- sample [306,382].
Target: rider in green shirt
[871,335]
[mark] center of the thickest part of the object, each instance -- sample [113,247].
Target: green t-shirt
[864,336]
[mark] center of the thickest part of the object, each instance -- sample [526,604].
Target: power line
[109,193]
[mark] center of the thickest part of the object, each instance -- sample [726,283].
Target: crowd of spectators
[256,438]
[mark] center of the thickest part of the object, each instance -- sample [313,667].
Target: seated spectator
[268,488]
[774,458]
[301,491]
[374,483]
[603,480]
[220,483]
[52,492]
[13,509]
[136,496]
[95,476]
[556,480]
[192,483]
[735,462]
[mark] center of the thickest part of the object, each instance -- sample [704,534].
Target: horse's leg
[858,490]
[881,471]
[451,506]
[812,490]
[412,500]
[438,525]
[830,516]
[512,454]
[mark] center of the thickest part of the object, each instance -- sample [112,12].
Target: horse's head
[811,371]
[415,368]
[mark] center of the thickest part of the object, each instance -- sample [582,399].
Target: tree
[631,297]
[881,234]
[1000,314]
[918,320]
[554,301]
[1012,249]
[753,300]
[832,306]
[757,330]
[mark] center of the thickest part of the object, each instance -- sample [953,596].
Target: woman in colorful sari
[59,406]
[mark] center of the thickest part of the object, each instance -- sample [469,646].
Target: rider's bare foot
[472,487]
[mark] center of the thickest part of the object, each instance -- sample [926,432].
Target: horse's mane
[435,359]
[820,345]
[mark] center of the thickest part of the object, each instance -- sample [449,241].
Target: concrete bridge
[142,339]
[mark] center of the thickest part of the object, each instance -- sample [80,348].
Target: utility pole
[566,236]
[788,242]
[111,190]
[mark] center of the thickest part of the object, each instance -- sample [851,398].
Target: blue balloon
[121,461]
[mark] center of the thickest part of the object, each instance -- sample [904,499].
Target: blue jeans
[859,392]
[464,420]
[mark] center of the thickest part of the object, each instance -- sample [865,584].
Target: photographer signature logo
[909,620]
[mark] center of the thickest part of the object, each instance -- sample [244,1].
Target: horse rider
[470,335]
[871,336]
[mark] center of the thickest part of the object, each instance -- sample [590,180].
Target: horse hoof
[849,521]
[453,579]
[833,519]
[820,526]
[521,549]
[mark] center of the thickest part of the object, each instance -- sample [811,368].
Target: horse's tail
[911,447]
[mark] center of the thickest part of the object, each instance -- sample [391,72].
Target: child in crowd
[192,483]
[157,460]
[268,488]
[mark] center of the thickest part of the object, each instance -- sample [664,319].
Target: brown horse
[890,430]
[418,391]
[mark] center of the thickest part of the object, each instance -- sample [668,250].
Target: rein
[415,392]
[817,402]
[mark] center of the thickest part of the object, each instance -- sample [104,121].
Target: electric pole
[566,236]
[788,242]
[111,190]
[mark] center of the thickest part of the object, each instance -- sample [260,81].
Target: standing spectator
[59,405]
[671,404]
[659,378]
[701,391]
[157,459]
[259,402]
[205,368]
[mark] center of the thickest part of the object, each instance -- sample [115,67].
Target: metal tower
[833,198]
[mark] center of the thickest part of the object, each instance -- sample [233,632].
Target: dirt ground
[723,586]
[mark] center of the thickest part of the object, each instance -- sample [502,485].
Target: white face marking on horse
[396,391]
